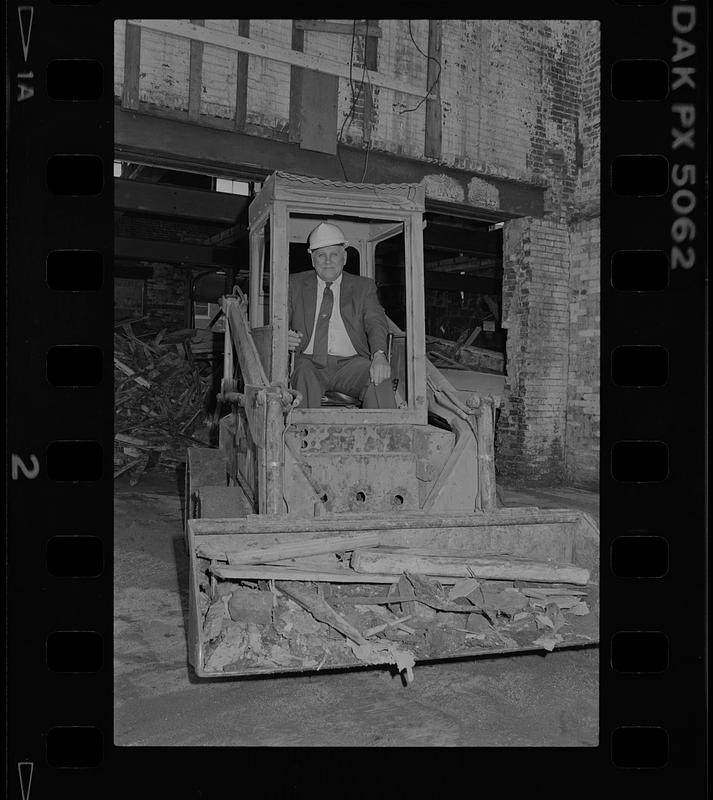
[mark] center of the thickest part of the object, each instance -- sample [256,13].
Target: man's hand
[293,339]
[380,369]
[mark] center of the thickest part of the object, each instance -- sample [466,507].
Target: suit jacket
[362,314]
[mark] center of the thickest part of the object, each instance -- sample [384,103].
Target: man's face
[328,262]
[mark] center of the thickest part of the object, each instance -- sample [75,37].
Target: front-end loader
[338,536]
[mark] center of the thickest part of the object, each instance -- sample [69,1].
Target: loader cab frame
[284,212]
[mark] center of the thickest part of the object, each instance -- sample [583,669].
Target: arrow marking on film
[25,14]
[25,777]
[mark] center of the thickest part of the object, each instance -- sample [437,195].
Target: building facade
[507,136]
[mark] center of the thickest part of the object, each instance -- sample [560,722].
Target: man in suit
[338,329]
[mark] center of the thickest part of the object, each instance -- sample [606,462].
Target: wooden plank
[257,524]
[248,357]
[491,568]
[264,50]
[241,87]
[322,611]
[486,454]
[262,337]
[132,63]
[266,572]
[296,86]
[279,259]
[371,29]
[333,544]
[318,123]
[433,136]
[195,76]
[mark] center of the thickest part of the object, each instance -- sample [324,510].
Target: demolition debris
[159,392]
[277,610]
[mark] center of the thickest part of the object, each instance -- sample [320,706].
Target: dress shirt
[339,343]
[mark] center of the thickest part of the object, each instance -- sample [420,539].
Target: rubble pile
[159,392]
[254,625]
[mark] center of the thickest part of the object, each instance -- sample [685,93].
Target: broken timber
[493,568]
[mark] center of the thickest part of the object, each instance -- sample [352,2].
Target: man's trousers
[349,375]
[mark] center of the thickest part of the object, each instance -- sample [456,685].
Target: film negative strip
[65,85]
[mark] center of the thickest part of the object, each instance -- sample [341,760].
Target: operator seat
[332,398]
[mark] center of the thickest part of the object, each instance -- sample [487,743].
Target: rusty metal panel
[341,439]
[354,482]
[223,501]
[318,122]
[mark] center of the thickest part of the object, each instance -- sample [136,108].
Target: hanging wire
[368,143]
[355,99]
[351,109]
[438,77]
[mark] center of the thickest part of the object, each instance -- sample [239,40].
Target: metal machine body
[283,473]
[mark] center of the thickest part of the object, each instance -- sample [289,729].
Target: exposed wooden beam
[264,50]
[132,59]
[174,201]
[338,27]
[190,255]
[472,242]
[229,235]
[296,73]
[151,139]
[241,88]
[195,76]
[433,135]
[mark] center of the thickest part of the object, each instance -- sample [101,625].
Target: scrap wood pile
[158,400]
[463,355]
[345,600]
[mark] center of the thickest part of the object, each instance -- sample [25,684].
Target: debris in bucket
[159,394]
[416,617]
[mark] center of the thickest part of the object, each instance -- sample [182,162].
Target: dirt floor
[524,700]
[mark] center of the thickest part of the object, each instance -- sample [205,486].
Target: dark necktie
[321,332]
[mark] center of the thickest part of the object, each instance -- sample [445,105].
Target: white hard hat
[324,235]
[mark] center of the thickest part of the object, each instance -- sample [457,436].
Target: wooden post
[371,44]
[416,335]
[432,145]
[257,266]
[279,272]
[227,383]
[241,89]
[195,77]
[274,454]
[486,454]
[132,62]
[294,132]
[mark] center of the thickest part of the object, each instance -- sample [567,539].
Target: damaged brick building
[497,119]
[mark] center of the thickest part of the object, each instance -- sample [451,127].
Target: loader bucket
[274,594]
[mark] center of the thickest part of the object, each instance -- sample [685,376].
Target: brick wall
[549,425]
[582,453]
[583,414]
